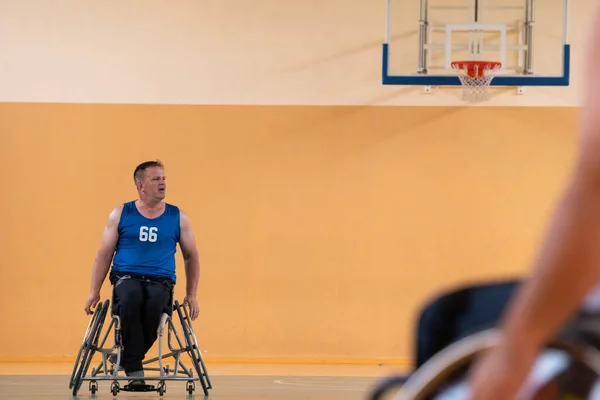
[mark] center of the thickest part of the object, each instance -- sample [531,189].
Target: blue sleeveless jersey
[147,246]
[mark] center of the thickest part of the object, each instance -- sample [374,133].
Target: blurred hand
[500,374]
[192,304]
[91,302]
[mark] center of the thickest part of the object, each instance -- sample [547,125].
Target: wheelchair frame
[105,372]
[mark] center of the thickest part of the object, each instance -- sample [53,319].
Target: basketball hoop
[475,77]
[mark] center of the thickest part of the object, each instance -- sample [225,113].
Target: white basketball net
[475,86]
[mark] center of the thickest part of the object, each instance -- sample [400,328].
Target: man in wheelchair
[140,239]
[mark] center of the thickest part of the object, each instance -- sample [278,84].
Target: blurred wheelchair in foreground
[95,343]
[458,326]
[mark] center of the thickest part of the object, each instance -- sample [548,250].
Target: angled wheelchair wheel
[193,349]
[89,346]
[86,337]
[386,386]
[447,367]
[564,369]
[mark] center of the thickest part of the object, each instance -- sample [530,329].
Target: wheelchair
[456,327]
[95,343]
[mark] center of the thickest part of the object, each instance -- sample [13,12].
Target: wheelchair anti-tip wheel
[93,387]
[115,388]
[190,387]
[162,388]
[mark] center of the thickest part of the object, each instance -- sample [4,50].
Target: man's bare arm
[568,267]
[191,261]
[568,263]
[104,257]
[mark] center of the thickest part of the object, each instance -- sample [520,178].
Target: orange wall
[323,222]
[321,229]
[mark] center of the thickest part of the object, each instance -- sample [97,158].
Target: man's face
[154,184]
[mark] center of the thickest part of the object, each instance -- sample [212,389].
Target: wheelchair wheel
[86,336]
[386,386]
[566,368]
[90,346]
[447,367]
[193,349]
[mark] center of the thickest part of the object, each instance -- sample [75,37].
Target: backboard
[528,37]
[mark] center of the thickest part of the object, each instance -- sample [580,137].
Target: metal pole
[387,23]
[423,24]
[566,23]
[529,21]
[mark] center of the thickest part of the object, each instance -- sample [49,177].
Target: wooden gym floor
[230,382]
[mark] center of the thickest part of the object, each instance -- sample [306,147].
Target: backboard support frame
[421,78]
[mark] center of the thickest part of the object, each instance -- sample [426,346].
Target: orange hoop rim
[476,68]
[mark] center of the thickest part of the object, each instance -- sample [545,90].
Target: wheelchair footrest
[139,388]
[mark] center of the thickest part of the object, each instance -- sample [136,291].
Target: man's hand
[91,302]
[192,304]
[500,373]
